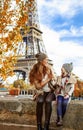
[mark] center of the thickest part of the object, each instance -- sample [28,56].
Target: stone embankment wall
[22,111]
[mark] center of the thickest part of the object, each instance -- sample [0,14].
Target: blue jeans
[61,105]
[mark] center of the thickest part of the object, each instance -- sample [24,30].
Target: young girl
[64,91]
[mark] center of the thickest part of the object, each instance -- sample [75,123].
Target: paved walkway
[11,126]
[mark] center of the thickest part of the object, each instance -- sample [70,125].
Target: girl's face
[45,62]
[63,72]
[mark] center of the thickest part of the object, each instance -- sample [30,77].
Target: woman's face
[45,62]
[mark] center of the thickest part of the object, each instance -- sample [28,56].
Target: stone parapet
[73,119]
[23,111]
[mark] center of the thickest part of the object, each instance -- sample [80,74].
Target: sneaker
[59,123]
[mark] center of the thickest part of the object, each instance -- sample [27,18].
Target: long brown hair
[38,72]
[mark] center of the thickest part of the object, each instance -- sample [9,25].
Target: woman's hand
[50,76]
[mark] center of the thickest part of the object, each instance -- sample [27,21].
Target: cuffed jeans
[61,105]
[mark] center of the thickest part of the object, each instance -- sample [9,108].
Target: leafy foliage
[20,84]
[12,20]
[78,91]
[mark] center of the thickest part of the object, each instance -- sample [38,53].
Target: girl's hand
[66,96]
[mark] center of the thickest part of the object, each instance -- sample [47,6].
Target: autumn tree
[13,18]
[78,91]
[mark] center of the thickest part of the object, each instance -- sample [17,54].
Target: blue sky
[62,24]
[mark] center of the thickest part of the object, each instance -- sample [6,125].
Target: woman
[64,91]
[40,75]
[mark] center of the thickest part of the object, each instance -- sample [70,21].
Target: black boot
[39,127]
[46,126]
[48,111]
[39,113]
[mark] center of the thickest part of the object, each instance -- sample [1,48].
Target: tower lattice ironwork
[32,42]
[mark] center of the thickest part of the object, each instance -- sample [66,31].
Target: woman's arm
[44,81]
[41,84]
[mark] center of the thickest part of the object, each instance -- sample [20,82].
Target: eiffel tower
[32,42]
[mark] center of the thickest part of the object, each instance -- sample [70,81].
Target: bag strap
[51,86]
